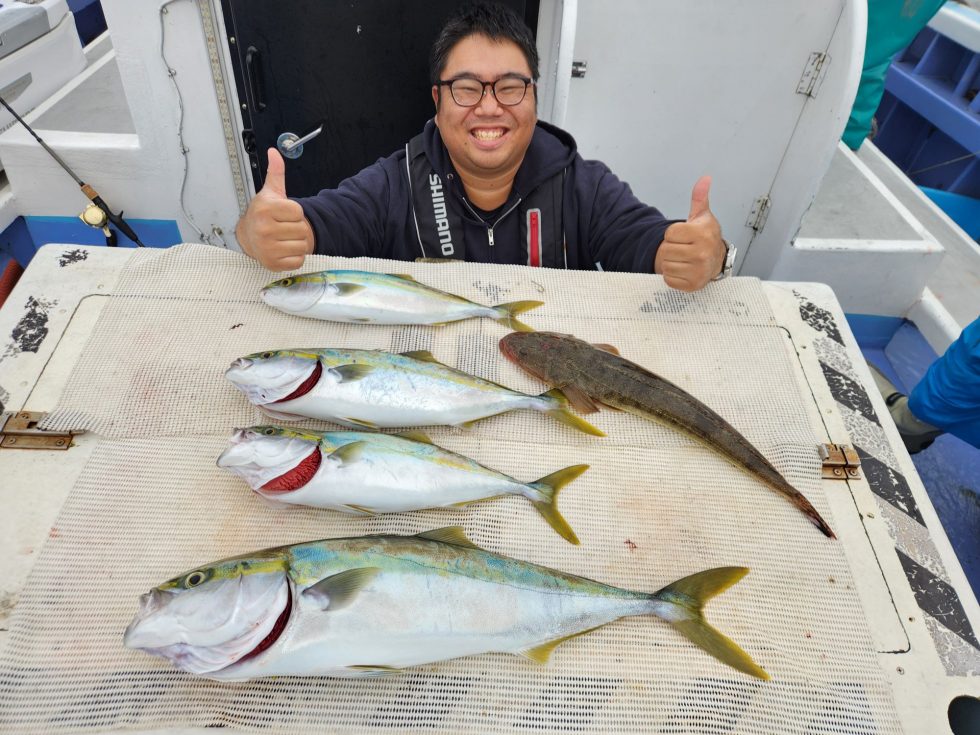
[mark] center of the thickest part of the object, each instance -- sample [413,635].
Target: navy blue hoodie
[606,226]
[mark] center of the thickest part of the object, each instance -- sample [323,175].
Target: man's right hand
[273,229]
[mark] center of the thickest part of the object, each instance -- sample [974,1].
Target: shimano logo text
[442,222]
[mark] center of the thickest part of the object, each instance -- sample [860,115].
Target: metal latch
[18,430]
[840,462]
[579,68]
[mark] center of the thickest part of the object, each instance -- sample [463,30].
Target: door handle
[291,145]
[256,81]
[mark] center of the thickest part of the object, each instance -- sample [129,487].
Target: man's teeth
[488,134]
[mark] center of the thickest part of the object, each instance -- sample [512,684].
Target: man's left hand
[692,253]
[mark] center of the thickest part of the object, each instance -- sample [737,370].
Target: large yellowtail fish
[374,389]
[381,298]
[373,605]
[365,473]
[590,375]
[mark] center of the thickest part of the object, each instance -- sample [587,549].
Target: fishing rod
[87,189]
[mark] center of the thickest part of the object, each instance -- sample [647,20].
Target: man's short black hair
[493,20]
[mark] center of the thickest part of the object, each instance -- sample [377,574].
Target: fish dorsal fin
[580,400]
[449,535]
[338,590]
[347,289]
[541,653]
[350,373]
[421,355]
[349,452]
[369,671]
[360,509]
[403,276]
[607,348]
[415,436]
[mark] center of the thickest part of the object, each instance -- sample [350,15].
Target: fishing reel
[95,216]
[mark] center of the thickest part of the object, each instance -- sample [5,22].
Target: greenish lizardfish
[381,298]
[368,473]
[374,605]
[373,389]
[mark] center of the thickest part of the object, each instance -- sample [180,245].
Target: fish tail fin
[546,495]
[688,596]
[507,312]
[561,413]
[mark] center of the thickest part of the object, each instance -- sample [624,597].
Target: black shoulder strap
[438,227]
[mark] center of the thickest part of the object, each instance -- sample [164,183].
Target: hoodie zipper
[499,219]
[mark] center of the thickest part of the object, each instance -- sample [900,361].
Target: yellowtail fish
[374,605]
[365,473]
[381,298]
[590,375]
[374,389]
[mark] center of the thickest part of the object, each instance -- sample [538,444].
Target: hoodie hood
[550,151]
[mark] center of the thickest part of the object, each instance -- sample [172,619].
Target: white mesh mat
[654,507]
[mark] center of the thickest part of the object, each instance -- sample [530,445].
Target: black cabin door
[359,66]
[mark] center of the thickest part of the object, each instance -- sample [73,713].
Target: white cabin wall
[139,173]
[676,90]
[210,190]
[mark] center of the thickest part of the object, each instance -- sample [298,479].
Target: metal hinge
[18,430]
[840,462]
[813,74]
[759,213]
[579,68]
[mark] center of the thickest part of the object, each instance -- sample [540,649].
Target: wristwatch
[726,268]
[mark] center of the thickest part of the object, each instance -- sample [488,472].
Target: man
[486,182]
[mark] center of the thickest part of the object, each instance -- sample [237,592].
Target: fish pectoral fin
[416,436]
[338,590]
[449,535]
[403,276]
[369,671]
[360,509]
[349,452]
[421,355]
[363,423]
[352,372]
[580,400]
[347,289]
[607,348]
[541,653]
[280,415]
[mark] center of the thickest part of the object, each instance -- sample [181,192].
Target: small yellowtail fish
[358,472]
[374,605]
[374,389]
[381,298]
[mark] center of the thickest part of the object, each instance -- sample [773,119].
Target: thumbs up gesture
[692,252]
[273,229]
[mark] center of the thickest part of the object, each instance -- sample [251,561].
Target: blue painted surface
[89,19]
[963,210]
[873,331]
[26,235]
[154,233]
[950,468]
[16,242]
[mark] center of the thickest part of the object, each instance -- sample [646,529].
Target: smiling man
[486,181]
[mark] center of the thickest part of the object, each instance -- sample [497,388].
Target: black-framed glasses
[467,92]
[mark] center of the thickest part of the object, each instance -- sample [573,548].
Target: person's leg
[916,434]
[948,396]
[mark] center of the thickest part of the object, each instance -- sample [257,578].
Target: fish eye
[194,579]
[268,431]
[286,282]
[267,355]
